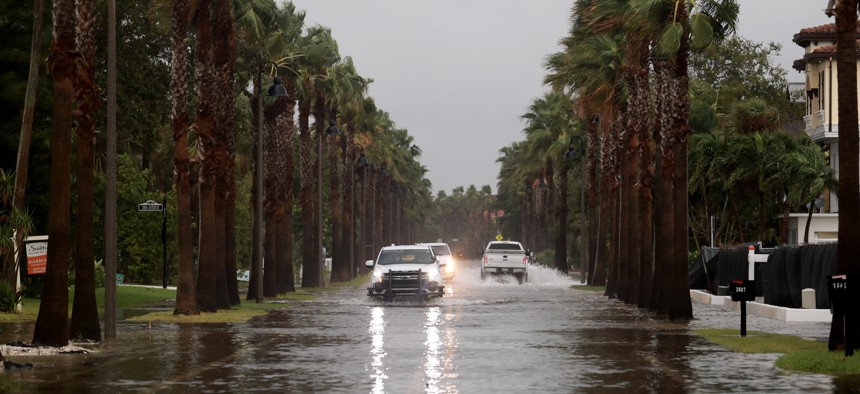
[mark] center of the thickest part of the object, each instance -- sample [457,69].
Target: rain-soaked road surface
[493,337]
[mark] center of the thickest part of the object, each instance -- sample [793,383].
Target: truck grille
[405,279]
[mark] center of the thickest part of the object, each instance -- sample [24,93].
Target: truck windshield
[441,250]
[410,256]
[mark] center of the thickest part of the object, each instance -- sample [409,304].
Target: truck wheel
[519,278]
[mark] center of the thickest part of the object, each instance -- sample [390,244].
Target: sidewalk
[719,315]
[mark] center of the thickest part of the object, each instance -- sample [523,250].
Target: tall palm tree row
[210,43]
[616,55]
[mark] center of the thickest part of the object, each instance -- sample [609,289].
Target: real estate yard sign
[37,257]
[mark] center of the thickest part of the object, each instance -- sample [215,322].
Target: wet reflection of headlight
[377,350]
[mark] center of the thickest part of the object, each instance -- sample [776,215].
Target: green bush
[9,298]
[546,258]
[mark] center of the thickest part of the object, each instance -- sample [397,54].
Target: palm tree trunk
[681,307]
[310,269]
[205,126]
[52,324]
[231,269]
[593,204]
[225,52]
[348,205]
[339,264]
[561,236]
[22,163]
[664,207]
[272,208]
[284,123]
[85,316]
[186,300]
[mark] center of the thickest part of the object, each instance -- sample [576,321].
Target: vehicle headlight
[377,275]
[433,273]
[449,268]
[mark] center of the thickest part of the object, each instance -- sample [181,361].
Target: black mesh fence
[780,280]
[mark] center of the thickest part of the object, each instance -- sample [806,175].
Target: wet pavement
[482,337]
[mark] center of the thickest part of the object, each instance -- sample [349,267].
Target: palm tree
[204,124]
[23,160]
[349,89]
[322,53]
[186,289]
[805,175]
[52,328]
[224,55]
[589,65]
[283,29]
[550,127]
[85,316]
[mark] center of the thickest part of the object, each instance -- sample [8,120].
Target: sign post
[153,206]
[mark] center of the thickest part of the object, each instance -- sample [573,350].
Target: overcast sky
[458,74]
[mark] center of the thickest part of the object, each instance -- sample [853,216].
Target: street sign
[150,206]
[499,237]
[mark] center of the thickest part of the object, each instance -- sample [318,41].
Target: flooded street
[482,337]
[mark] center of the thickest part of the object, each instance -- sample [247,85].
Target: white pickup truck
[506,257]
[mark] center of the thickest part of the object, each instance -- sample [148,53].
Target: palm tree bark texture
[85,315]
[52,327]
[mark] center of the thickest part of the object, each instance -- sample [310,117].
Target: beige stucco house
[822,125]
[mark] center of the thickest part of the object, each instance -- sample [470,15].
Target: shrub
[9,298]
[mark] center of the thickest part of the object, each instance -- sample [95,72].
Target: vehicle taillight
[485,259]
[525,260]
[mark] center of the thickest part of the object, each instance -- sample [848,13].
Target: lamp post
[277,90]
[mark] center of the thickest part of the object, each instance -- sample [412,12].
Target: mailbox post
[742,291]
[153,206]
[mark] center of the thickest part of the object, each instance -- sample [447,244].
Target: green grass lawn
[797,354]
[137,297]
[127,297]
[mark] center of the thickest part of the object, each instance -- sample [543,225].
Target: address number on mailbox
[742,290]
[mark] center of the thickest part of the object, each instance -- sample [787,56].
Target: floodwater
[482,337]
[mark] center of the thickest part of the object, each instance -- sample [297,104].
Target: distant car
[447,263]
[506,258]
[405,270]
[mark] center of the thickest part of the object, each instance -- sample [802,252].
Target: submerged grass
[798,354]
[588,288]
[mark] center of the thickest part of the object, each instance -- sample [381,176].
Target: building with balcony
[822,124]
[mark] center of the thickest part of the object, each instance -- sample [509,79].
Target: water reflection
[441,345]
[377,349]
[432,362]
